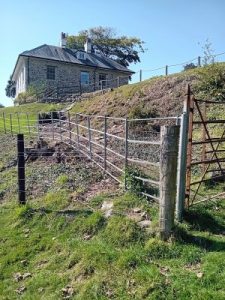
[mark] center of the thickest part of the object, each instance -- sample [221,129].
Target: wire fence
[167,69]
[128,150]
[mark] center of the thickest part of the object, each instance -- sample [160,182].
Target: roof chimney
[88,46]
[63,40]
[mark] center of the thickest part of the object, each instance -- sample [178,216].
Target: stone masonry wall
[67,75]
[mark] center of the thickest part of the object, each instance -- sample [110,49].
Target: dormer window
[80,55]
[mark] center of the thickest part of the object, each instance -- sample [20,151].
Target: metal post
[126,153]
[38,129]
[140,75]
[166,70]
[168,174]
[10,120]
[199,61]
[3,115]
[53,128]
[89,136]
[181,170]
[21,169]
[28,124]
[18,121]
[70,129]
[118,81]
[105,142]
[60,127]
[77,129]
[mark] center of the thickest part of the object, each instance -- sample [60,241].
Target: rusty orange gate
[205,169]
[201,165]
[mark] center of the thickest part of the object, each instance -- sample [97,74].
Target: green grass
[108,258]
[23,115]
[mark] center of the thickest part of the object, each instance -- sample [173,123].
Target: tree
[123,49]
[208,51]
[1,105]
[10,89]
[189,66]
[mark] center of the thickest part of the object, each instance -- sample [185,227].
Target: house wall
[69,74]
[21,77]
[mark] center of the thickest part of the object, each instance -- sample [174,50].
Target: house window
[102,80]
[84,77]
[51,72]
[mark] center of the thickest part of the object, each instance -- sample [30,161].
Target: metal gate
[205,164]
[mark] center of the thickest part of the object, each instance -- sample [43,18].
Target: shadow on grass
[202,220]
[205,243]
[29,212]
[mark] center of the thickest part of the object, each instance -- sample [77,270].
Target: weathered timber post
[21,169]
[89,136]
[118,81]
[140,75]
[105,142]
[10,120]
[60,127]
[126,153]
[53,128]
[78,132]
[168,174]
[199,61]
[28,124]
[70,128]
[18,121]
[166,70]
[3,115]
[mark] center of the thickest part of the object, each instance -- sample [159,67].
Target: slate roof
[69,56]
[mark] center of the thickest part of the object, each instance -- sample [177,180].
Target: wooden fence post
[3,115]
[89,136]
[199,61]
[28,124]
[18,121]
[126,153]
[168,174]
[105,142]
[21,169]
[60,127]
[140,75]
[77,129]
[52,121]
[166,70]
[10,120]
[38,129]
[70,128]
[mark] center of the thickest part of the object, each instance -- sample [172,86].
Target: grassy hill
[80,235]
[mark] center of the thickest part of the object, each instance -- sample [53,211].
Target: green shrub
[211,82]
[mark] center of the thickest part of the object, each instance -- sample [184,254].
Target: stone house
[67,69]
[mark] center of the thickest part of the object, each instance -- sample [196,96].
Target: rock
[24,262]
[26,275]
[107,208]
[199,275]
[137,210]
[67,292]
[20,290]
[106,205]
[144,223]
[18,277]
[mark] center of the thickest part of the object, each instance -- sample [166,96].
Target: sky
[174,31]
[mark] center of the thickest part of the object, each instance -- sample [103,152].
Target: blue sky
[174,30]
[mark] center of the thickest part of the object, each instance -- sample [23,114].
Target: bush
[189,66]
[27,97]
[212,82]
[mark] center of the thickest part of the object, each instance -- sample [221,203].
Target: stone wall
[68,75]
